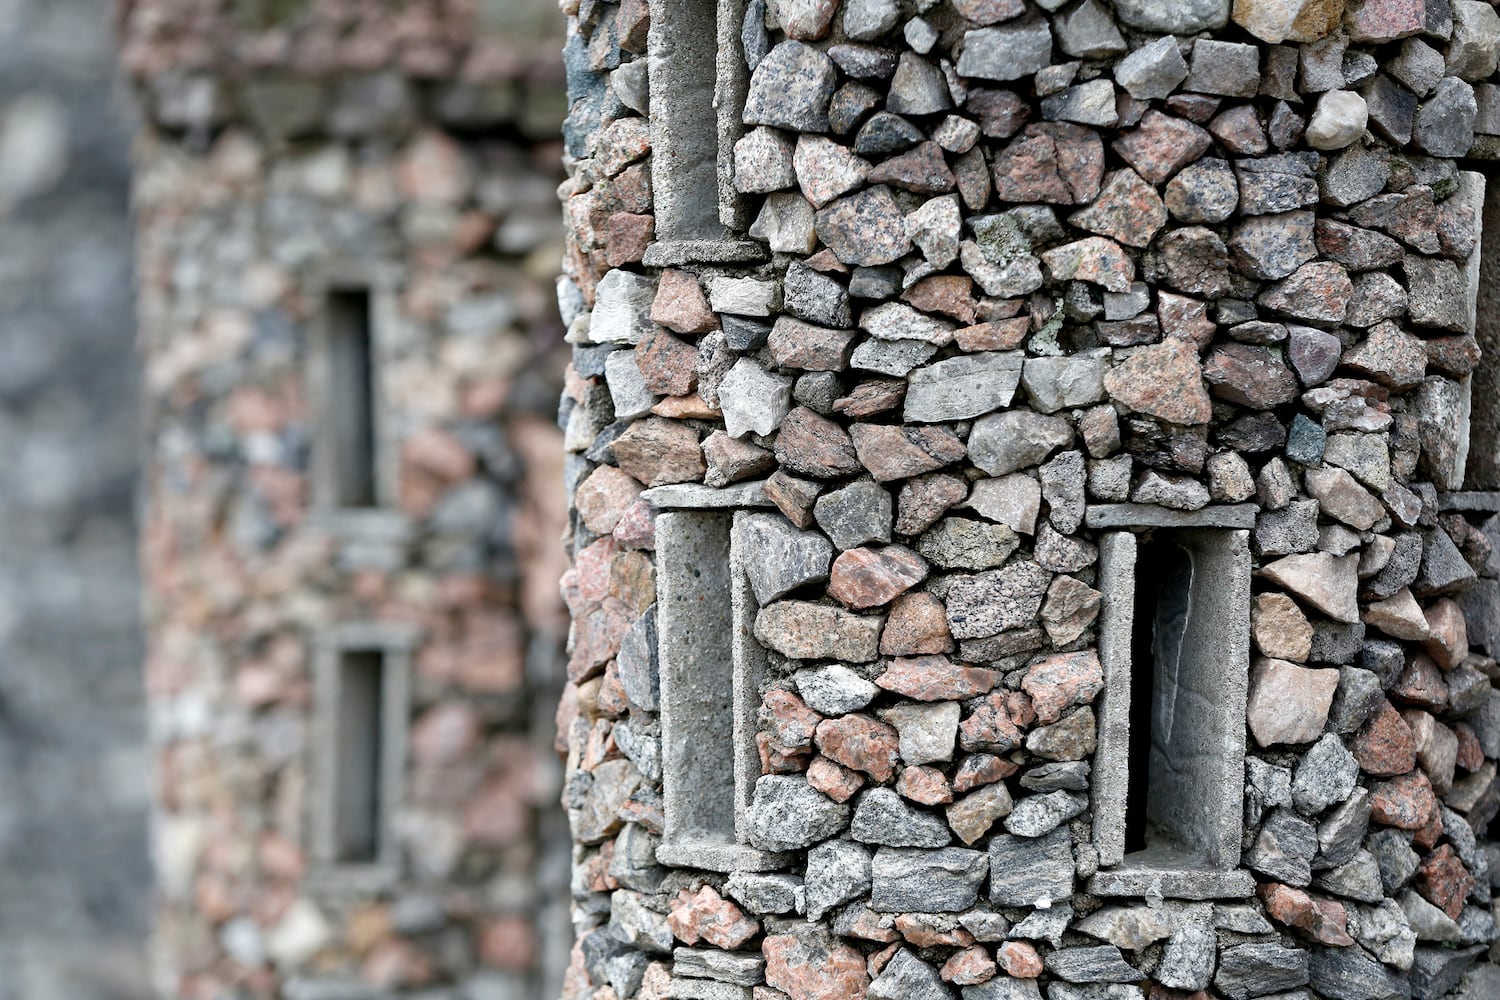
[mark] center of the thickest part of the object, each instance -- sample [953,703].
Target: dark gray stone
[1256,970]
[917,881]
[883,817]
[1031,872]
[1350,974]
[792,88]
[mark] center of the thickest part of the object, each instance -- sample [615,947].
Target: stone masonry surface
[290,148]
[996,285]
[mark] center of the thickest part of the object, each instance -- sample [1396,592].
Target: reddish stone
[793,497]
[690,407]
[445,734]
[982,12]
[596,639]
[795,344]
[1406,802]
[1163,380]
[925,499]
[508,942]
[935,678]
[1323,919]
[776,758]
[1384,20]
[1162,145]
[837,782]
[969,967]
[990,727]
[867,925]
[922,170]
[872,397]
[812,445]
[636,528]
[892,453]
[926,785]
[658,451]
[917,625]
[868,578]
[808,21]
[788,719]
[1000,113]
[1249,376]
[1454,356]
[980,769]
[949,294]
[1427,837]
[861,743]
[1054,162]
[1470,753]
[999,335]
[603,498]
[438,454]
[707,916]
[931,930]
[1018,960]
[1185,318]
[1128,210]
[812,966]
[878,961]
[731,460]
[667,364]
[1385,745]
[1444,881]
[627,235]
[1448,639]
[1061,681]
[1421,684]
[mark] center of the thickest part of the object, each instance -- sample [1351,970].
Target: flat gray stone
[837,871]
[1031,872]
[1007,52]
[963,387]
[856,515]
[1256,970]
[788,814]
[784,558]
[917,881]
[907,977]
[885,818]
[1173,17]
[1092,964]
[1004,442]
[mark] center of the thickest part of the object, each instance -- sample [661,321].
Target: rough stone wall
[998,294]
[73,789]
[416,152]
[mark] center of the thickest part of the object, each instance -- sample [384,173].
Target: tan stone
[1288,703]
[1280,629]
[1399,616]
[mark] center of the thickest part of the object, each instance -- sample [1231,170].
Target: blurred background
[75,882]
[200,200]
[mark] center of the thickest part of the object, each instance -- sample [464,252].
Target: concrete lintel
[690,496]
[1485,501]
[1183,882]
[397,636]
[717,856]
[1143,515]
[749,665]
[374,525]
[678,253]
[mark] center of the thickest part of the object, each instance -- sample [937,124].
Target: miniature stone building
[1035,493]
[348,250]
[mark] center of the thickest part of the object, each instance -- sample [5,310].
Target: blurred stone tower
[348,243]
[1036,487]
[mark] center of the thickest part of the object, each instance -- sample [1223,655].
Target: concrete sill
[691,496]
[718,856]
[1185,879]
[679,252]
[351,881]
[1475,500]
[378,525]
[1141,515]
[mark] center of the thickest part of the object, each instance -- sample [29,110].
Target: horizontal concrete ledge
[679,252]
[688,496]
[369,635]
[376,525]
[344,882]
[1145,515]
[1169,882]
[717,856]
[1480,500]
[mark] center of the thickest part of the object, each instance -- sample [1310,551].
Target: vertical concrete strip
[1117,551]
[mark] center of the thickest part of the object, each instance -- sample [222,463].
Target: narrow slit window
[359,764]
[1483,468]
[1164,581]
[711,670]
[1175,644]
[349,404]
[687,98]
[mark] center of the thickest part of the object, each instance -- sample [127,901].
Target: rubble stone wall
[1030,358]
[411,156]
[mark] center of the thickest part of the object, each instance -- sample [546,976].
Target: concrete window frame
[381,282]
[711,669]
[396,645]
[698,82]
[1217,542]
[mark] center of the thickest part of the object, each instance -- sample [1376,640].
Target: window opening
[348,407]
[359,763]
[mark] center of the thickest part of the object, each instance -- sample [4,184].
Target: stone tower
[1035,483]
[348,246]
